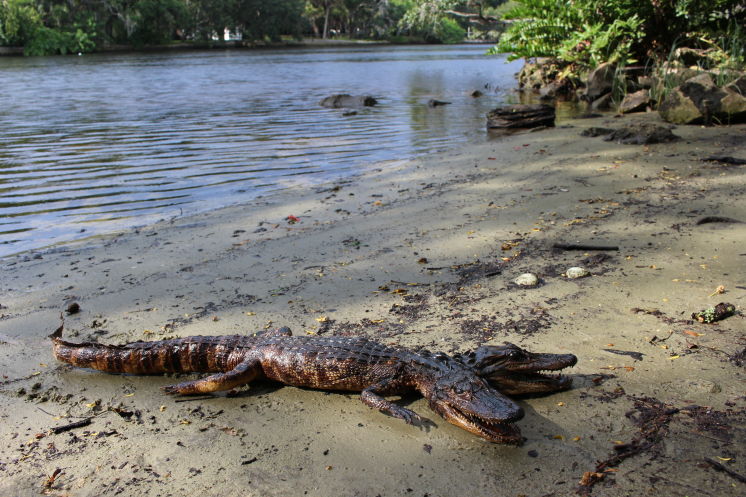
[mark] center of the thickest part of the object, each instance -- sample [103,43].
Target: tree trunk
[327,9]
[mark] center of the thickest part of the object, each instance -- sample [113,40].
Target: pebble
[526,279]
[577,272]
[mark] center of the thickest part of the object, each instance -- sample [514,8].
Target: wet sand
[420,254]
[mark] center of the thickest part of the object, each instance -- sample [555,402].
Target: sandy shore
[419,254]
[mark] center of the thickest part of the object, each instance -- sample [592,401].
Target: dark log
[71,426]
[521,116]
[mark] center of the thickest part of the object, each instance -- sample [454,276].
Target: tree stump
[521,116]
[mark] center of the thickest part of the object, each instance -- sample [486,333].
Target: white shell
[527,279]
[577,272]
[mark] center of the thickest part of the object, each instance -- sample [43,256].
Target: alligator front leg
[374,400]
[240,375]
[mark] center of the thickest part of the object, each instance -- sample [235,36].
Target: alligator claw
[171,389]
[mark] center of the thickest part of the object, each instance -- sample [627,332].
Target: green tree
[19,20]
[590,31]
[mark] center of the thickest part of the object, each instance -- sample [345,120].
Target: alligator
[515,371]
[452,388]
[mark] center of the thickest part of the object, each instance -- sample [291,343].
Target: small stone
[73,308]
[577,272]
[526,279]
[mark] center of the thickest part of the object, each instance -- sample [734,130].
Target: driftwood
[583,246]
[71,426]
[521,116]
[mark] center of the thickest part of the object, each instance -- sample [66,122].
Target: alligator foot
[240,375]
[372,399]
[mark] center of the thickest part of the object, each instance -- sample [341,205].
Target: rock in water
[526,279]
[344,100]
[521,116]
[635,102]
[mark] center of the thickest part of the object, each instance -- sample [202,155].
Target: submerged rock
[344,100]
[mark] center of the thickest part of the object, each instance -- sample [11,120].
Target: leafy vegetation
[588,32]
[71,26]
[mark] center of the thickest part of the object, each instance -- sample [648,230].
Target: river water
[97,143]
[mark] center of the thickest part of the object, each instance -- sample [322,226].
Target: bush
[588,32]
[48,41]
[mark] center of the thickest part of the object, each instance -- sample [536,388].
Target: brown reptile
[514,371]
[452,388]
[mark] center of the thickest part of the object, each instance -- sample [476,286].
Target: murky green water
[95,143]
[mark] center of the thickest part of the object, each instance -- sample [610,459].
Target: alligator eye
[458,390]
[514,354]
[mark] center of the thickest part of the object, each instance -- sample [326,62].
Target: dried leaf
[673,357]
[718,290]
[693,333]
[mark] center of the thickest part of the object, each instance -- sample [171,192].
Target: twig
[189,399]
[725,469]
[71,426]
[583,246]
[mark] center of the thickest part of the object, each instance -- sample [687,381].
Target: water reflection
[96,143]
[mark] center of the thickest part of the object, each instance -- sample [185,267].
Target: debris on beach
[577,272]
[717,313]
[526,279]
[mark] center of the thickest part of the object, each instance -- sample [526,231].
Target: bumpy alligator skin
[514,371]
[452,388]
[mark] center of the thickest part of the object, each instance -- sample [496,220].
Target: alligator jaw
[491,430]
[529,383]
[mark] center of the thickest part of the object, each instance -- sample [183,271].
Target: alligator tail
[165,356]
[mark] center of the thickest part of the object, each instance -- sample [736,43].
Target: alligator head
[464,399]
[514,371]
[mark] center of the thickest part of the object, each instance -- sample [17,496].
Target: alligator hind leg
[372,399]
[240,375]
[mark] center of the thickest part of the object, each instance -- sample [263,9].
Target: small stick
[583,246]
[189,399]
[71,426]
[725,469]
